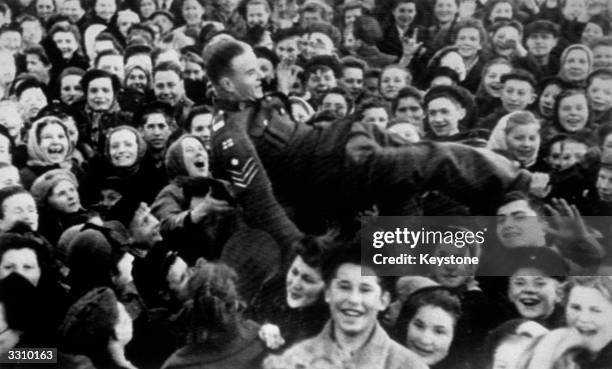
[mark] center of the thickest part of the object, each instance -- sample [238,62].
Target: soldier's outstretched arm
[477,177]
[235,159]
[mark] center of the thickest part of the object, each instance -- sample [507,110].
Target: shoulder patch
[226,144]
[219,121]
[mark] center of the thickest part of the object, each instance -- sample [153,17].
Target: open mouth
[55,150]
[529,301]
[351,313]
[294,296]
[200,164]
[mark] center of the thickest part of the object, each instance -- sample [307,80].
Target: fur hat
[89,322]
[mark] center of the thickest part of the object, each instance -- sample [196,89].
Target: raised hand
[410,45]
[286,75]
[540,185]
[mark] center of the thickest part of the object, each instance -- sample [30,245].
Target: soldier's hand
[204,206]
[270,334]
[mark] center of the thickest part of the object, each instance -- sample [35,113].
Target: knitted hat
[175,163]
[89,322]
[44,184]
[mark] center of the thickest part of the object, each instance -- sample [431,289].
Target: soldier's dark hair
[220,61]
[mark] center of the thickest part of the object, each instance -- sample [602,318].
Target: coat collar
[368,356]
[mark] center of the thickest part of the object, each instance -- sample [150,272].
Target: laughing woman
[290,306]
[49,148]
[589,310]
[99,112]
[124,152]
[426,324]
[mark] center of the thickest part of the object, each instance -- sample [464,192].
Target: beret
[44,184]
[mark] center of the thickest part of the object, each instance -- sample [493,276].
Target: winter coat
[378,352]
[245,351]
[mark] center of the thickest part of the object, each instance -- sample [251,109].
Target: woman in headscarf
[49,147]
[517,136]
[576,64]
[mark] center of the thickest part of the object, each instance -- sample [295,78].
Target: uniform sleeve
[476,177]
[235,159]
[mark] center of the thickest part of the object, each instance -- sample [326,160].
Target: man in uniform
[322,174]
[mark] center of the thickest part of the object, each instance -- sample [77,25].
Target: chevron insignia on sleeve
[243,176]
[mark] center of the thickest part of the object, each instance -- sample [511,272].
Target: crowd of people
[185,183]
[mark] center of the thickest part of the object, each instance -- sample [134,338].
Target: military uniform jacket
[332,170]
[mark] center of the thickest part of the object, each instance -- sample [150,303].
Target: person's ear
[462,113]
[227,84]
[385,300]
[532,98]
[326,294]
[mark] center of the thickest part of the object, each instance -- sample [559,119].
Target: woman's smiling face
[54,143]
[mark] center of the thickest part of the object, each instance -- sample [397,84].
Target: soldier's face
[245,82]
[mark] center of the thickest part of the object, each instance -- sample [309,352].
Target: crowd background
[118,246]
